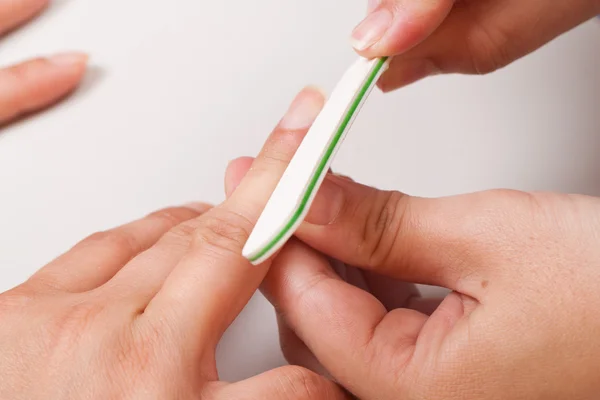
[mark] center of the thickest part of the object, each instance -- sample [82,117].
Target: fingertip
[295,265]
[404,72]
[318,92]
[370,32]
[72,65]
[69,59]
[35,84]
[393,27]
[304,109]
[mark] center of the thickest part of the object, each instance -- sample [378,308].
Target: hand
[136,312]
[35,84]
[461,36]
[522,320]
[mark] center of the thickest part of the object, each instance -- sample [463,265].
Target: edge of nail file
[291,200]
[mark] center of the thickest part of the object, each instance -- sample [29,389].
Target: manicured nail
[327,205]
[373,4]
[304,109]
[371,29]
[72,58]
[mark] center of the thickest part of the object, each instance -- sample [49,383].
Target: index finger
[213,281]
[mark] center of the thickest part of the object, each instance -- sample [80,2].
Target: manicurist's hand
[461,36]
[522,321]
[38,83]
[137,311]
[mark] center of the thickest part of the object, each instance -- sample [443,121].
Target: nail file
[298,186]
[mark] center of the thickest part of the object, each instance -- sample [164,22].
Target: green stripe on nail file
[297,188]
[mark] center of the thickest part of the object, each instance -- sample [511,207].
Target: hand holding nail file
[295,192]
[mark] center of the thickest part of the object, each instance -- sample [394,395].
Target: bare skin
[461,36]
[35,84]
[136,312]
[521,321]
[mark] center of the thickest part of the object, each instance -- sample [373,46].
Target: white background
[181,87]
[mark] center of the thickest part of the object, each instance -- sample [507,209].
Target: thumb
[394,26]
[473,37]
[449,242]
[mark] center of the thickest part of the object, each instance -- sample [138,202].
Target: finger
[483,36]
[295,350]
[426,306]
[238,168]
[35,84]
[392,293]
[213,282]
[349,331]
[15,12]
[235,173]
[394,26]
[158,263]
[448,242]
[97,259]
[289,383]
[438,242]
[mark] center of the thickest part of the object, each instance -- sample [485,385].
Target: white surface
[291,189]
[185,86]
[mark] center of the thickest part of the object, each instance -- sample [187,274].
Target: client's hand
[136,312]
[38,83]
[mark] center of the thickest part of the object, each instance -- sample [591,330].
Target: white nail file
[297,188]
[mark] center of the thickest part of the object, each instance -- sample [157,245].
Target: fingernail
[199,207]
[371,29]
[373,4]
[235,172]
[327,205]
[72,58]
[231,183]
[304,109]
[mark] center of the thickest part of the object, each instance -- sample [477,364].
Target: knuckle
[175,215]
[22,72]
[289,347]
[115,239]
[171,216]
[288,351]
[19,75]
[284,143]
[387,214]
[14,301]
[223,230]
[181,234]
[301,383]
[488,49]
[68,327]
